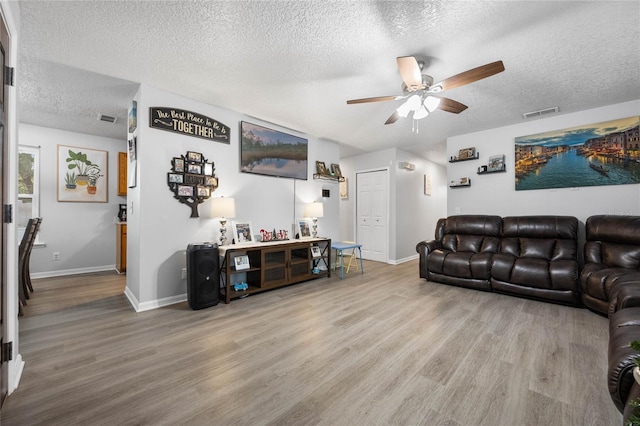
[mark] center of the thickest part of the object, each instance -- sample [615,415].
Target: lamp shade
[223,207]
[313,210]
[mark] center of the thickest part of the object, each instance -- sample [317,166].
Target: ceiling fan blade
[410,72]
[376,99]
[450,105]
[394,117]
[469,76]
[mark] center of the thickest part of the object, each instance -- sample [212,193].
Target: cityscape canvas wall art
[606,153]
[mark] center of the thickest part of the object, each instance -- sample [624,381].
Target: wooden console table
[273,265]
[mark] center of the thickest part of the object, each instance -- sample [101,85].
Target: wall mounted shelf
[331,178]
[502,170]
[457,160]
[461,185]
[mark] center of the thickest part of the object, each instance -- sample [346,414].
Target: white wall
[412,214]
[496,194]
[83,233]
[159,227]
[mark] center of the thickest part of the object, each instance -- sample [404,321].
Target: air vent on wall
[540,112]
[107,118]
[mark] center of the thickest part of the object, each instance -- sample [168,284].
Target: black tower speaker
[203,275]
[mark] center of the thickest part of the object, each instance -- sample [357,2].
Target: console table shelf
[273,265]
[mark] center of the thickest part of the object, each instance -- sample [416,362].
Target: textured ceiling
[296,63]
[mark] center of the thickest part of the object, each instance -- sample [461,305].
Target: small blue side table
[340,247]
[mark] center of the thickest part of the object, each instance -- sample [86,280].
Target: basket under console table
[270,265]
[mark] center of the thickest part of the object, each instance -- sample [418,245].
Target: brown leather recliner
[538,258]
[462,251]
[624,327]
[612,261]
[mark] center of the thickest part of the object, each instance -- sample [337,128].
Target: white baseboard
[16,367]
[63,272]
[153,304]
[404,260]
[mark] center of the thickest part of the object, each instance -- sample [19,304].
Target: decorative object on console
[281,235]
[303,228]
[241,262]
[223,208]
[314,211]
[192,180]
[242,233]
[269,152]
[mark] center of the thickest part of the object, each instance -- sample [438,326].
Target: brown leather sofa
[624,327]
[612,260]
[529,256]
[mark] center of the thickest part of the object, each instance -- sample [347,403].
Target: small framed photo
[203,191]
[303,228]
[178,165]
[242,233]
[211,181]
[185,191]
[241,262]
[315,251]
[208,169]
[464,181]
[196,169]
[196,157]
[321,168]
[335,169]
[496,163]
[175,178]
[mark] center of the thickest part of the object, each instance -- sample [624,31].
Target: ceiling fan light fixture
[414,102]
[420,113]
[404,110]
[431,102]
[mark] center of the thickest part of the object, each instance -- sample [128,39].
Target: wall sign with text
[188,123]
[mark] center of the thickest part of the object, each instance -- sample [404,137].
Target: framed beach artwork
[82,175]
[606,153]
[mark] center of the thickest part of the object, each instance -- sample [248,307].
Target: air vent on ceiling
[107,118]
[540,112]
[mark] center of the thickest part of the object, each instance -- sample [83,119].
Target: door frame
[8,12]
[385,169]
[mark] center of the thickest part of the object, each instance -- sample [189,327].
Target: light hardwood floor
[383,348]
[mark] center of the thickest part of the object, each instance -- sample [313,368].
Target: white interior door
[371,212]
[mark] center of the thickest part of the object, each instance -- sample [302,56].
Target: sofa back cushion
[613,241]
[472,233]
[542,237]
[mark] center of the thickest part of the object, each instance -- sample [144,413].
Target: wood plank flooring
[383,348]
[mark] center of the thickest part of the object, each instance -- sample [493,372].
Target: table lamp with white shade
[223,208]
[314,211]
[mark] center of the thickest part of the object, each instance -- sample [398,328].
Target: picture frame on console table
[241,262]
[242,232]
[303,228]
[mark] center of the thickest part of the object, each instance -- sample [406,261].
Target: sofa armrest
[424,248]
[625,293]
